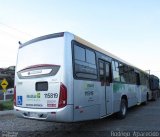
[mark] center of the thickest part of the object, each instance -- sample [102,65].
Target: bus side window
[137,78]
[108,74]
[101,73]
[104,73]
[115,68]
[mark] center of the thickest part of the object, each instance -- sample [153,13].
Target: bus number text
[51,95]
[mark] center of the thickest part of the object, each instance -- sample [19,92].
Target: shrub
[6,105]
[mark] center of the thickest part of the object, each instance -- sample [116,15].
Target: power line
[13,28]
[157,71]
[11,35]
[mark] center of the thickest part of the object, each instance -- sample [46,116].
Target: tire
[123,109]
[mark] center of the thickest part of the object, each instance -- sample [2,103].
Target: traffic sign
[4,85]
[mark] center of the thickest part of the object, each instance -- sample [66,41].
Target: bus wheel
[123,109]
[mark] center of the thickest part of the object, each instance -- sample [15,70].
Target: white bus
[61,77]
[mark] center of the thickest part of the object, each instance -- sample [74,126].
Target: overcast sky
[130,29]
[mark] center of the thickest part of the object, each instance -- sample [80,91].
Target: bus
[154,87]
[63,78]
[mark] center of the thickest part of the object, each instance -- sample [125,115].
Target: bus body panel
[120,90]
[58,115]
[86,100]
[135,94]
[27,96]
[32,69]
[143,90]
[67,76]
[34,90]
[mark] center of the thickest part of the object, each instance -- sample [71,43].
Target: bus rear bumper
[58,115]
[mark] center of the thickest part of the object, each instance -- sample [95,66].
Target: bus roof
[86,43]
[90,45]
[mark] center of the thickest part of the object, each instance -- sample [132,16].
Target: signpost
[4,85]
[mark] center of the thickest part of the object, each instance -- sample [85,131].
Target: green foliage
[6,105]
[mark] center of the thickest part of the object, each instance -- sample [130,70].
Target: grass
[6,105]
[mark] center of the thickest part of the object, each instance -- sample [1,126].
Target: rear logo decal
[19,100]
[38,95]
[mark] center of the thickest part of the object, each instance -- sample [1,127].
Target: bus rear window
[42,86]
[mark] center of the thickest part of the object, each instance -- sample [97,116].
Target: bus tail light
[63,96]
[14,99]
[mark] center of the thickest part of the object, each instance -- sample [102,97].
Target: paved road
[141,121]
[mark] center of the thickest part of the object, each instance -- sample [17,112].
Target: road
[143,120]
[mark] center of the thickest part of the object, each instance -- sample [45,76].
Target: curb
[6,112]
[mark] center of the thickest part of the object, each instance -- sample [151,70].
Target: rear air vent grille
[37,71]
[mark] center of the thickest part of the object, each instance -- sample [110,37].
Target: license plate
[33,114]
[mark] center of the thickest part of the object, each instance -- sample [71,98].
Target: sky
[129,29]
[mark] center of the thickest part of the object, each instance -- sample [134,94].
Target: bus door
[106,93]
[142,89]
